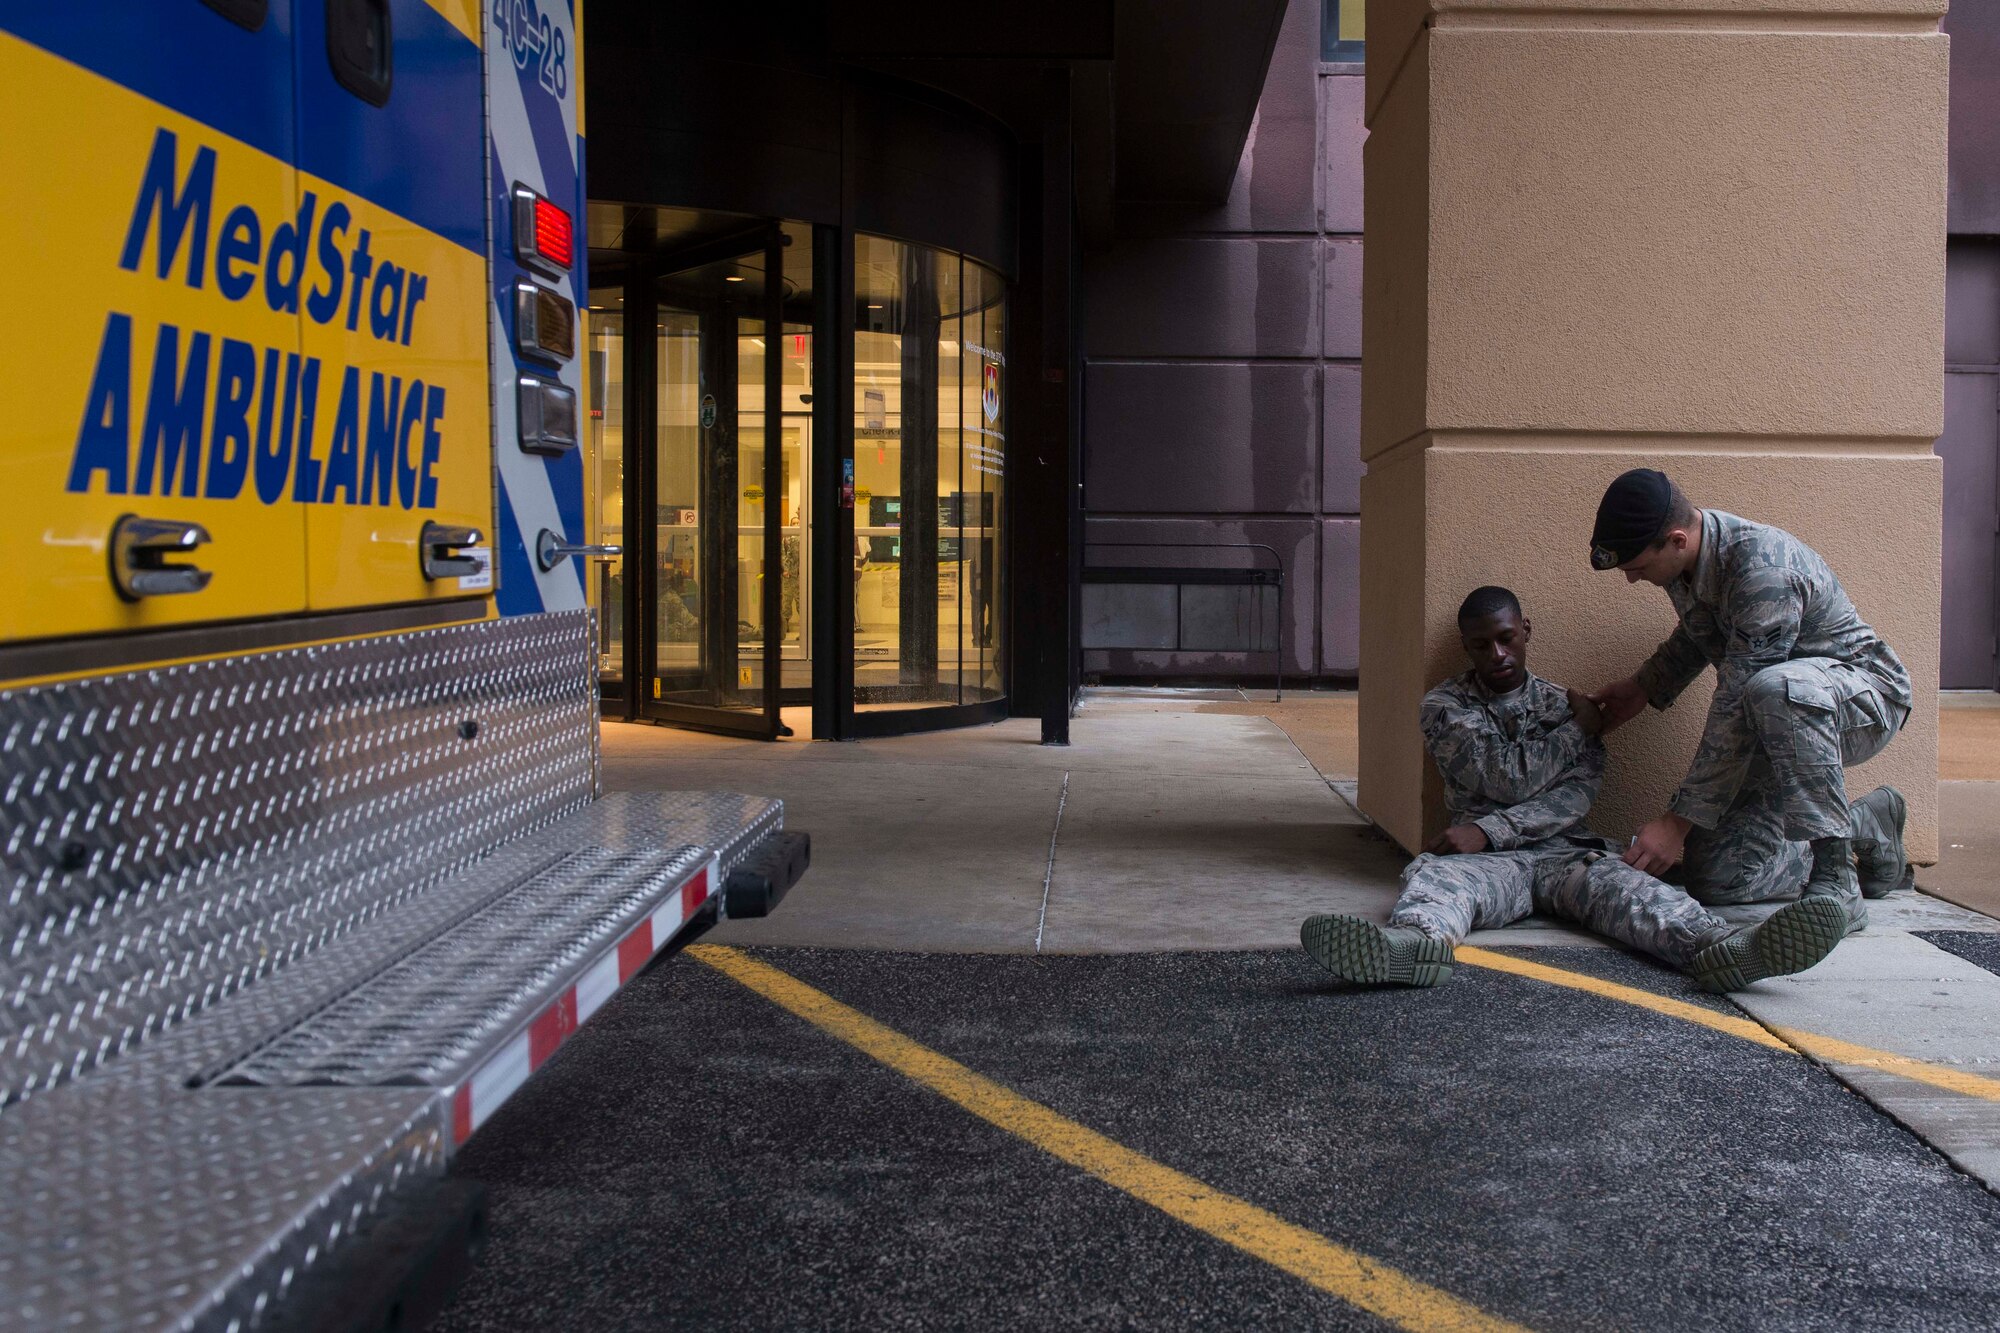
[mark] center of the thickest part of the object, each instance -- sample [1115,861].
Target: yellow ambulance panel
[147,376]
[395,178]
[404,444]
[249,332]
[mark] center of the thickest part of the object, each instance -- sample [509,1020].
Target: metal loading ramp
[203,1103]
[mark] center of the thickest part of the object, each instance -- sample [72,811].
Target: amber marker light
[544,323]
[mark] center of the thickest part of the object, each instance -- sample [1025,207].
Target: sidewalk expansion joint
[1049,871]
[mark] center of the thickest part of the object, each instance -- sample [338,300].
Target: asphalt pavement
[697,1156]
[1067,1067]
[1980,947]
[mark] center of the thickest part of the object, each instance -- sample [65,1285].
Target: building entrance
[711,600]
[748,561]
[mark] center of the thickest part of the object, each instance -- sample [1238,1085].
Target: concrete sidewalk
[1153,831]
[1194,820]
[1177,819]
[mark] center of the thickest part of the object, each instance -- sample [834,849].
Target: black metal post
[830,549]
[917,604]
[774,477]
[1063,397]
[720,441]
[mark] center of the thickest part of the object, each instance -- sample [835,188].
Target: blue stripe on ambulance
[559,150]
[432,120]
[534,144]
[192,60]
[516,593]
[173,54]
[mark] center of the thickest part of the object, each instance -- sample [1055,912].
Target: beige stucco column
[1695,235]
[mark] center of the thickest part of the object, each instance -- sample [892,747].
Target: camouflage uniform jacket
[1517,765]
[1756,597]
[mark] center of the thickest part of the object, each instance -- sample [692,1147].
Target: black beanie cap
[1630,517]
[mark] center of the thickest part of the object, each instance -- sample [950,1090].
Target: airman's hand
[1658,846]
[1588,715]
[1620,702]
[1458,840]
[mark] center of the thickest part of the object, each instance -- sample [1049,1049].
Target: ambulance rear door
[392,176]
[153,380]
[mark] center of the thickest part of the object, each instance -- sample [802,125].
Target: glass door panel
[604,581]
[929,451]
[793,509]
[750,502]
[716,557]
[977,505]
[678,673]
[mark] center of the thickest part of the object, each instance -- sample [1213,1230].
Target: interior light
[731,278]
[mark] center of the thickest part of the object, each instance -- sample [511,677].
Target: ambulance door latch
[551,550]
[140,551]
[438,546]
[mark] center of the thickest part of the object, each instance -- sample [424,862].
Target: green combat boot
[1791,939]
[1833,877]
[1359,950]
[1878,843]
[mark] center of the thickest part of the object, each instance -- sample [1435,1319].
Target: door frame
[642,497]
[834,715]
[826,547]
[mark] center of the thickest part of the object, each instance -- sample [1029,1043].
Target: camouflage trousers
[1448,897]
[1812,717]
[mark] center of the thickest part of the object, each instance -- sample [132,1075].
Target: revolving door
[863,577]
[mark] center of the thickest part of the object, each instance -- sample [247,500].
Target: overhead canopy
[1162,91]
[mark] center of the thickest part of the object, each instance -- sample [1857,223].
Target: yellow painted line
[1834,1051]
[1611,990]
[1828,1050]
[1306,1255]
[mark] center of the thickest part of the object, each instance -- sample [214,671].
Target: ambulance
[294,333]
[306,866]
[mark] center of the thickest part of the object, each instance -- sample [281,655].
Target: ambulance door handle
[437,544]
[140,548]
[551,550]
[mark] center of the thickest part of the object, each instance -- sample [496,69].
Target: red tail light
[553,237]
[544,235]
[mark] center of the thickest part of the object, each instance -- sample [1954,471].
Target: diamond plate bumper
[279,932]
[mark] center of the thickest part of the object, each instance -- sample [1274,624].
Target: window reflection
[604,583]
[1342,31]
